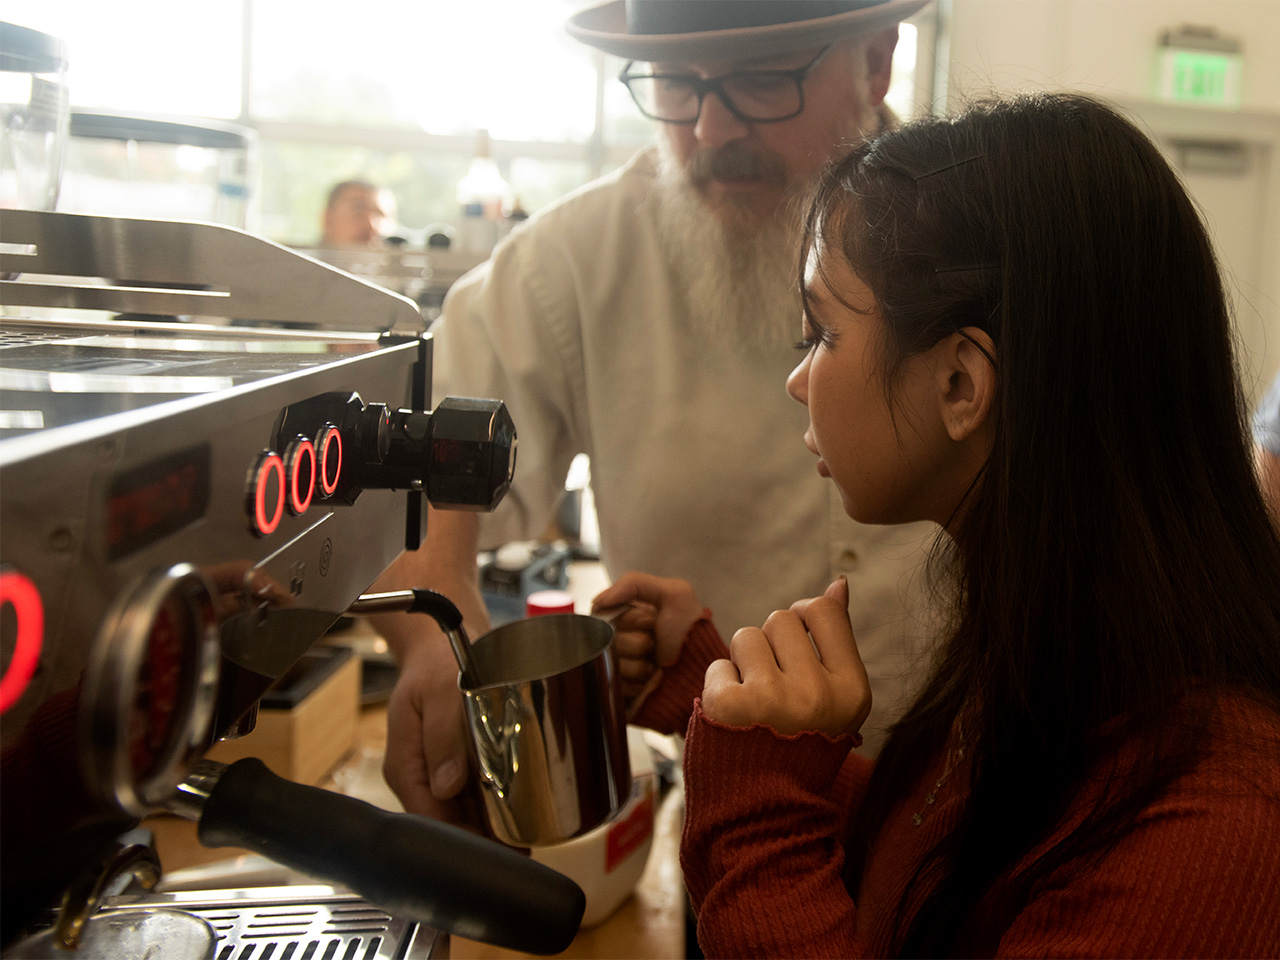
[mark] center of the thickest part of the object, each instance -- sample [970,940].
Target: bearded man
[646,320]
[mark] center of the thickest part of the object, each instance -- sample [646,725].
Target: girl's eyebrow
[814,293]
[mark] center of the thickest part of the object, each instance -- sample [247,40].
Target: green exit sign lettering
[1203,77]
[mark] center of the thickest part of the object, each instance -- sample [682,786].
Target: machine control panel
[462,455]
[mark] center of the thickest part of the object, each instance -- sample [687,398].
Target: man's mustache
[733,162]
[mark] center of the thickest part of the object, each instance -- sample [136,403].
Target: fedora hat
[691,30]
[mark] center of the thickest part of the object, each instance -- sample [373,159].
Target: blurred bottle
[517,215]
[484,200]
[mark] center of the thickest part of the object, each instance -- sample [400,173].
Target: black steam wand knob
[462,454]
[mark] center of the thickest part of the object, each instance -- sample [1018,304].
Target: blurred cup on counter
[540,603]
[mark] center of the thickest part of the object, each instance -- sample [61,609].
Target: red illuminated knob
[265,498]
[329,445]
[300,468]
[18,591]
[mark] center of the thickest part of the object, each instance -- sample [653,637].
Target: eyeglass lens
[754,95]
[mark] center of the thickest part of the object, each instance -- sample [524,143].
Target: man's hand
[426,762]
[781,677]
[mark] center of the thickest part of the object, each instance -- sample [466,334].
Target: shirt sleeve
[1266,420]
[762,848]
[509,331]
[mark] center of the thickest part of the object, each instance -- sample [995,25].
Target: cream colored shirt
[698,467]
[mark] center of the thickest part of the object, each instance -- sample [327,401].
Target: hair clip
[950,166]
[972,266]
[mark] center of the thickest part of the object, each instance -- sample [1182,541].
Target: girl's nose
[798,381]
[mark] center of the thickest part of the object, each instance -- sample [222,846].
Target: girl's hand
[651,631]
[779,676]
[636,646]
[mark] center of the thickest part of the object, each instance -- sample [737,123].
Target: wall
[1103,46]
[1107,47]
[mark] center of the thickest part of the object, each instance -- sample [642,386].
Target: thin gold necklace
[949,765]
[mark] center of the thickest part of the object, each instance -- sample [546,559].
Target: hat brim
[604,26]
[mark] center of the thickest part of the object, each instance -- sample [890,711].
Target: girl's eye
[817,337]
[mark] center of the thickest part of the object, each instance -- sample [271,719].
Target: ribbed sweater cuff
[808,761]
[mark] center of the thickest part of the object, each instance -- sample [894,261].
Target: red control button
[330,460]
[17,590]
[300,467]
[266,495]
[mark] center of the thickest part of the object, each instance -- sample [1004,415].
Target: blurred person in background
[357,214]
[647,320]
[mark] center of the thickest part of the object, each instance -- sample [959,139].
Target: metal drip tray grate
[24,338]
[296,923]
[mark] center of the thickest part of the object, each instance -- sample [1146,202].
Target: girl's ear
[966,379]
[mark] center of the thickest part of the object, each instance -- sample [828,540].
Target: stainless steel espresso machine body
[193,489]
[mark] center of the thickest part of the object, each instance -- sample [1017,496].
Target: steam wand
[440,607]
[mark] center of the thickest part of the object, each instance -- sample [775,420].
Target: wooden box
[307,721]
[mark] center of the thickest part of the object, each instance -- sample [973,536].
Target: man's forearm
[446,563]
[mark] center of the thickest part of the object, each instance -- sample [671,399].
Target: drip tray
[303,922]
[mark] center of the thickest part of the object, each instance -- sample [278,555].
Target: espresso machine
[210,447]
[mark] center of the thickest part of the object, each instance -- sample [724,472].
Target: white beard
[741,276]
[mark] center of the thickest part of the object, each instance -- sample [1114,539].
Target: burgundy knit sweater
[1197,875]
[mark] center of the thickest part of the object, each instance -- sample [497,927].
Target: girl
[1013,326]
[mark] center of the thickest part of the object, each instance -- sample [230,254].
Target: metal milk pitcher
[548,727]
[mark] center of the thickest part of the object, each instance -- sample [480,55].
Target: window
[146,56]
[394,91]
[438,66]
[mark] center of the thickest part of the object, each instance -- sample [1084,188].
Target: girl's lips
[813,448]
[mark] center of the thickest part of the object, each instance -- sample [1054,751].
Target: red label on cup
[626,835]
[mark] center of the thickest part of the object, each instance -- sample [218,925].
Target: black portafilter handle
[408,865]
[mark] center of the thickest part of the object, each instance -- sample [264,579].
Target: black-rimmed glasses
[754,96]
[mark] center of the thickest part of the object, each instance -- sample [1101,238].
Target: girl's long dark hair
[1113,568]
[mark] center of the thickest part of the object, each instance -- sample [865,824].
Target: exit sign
[1205,77]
